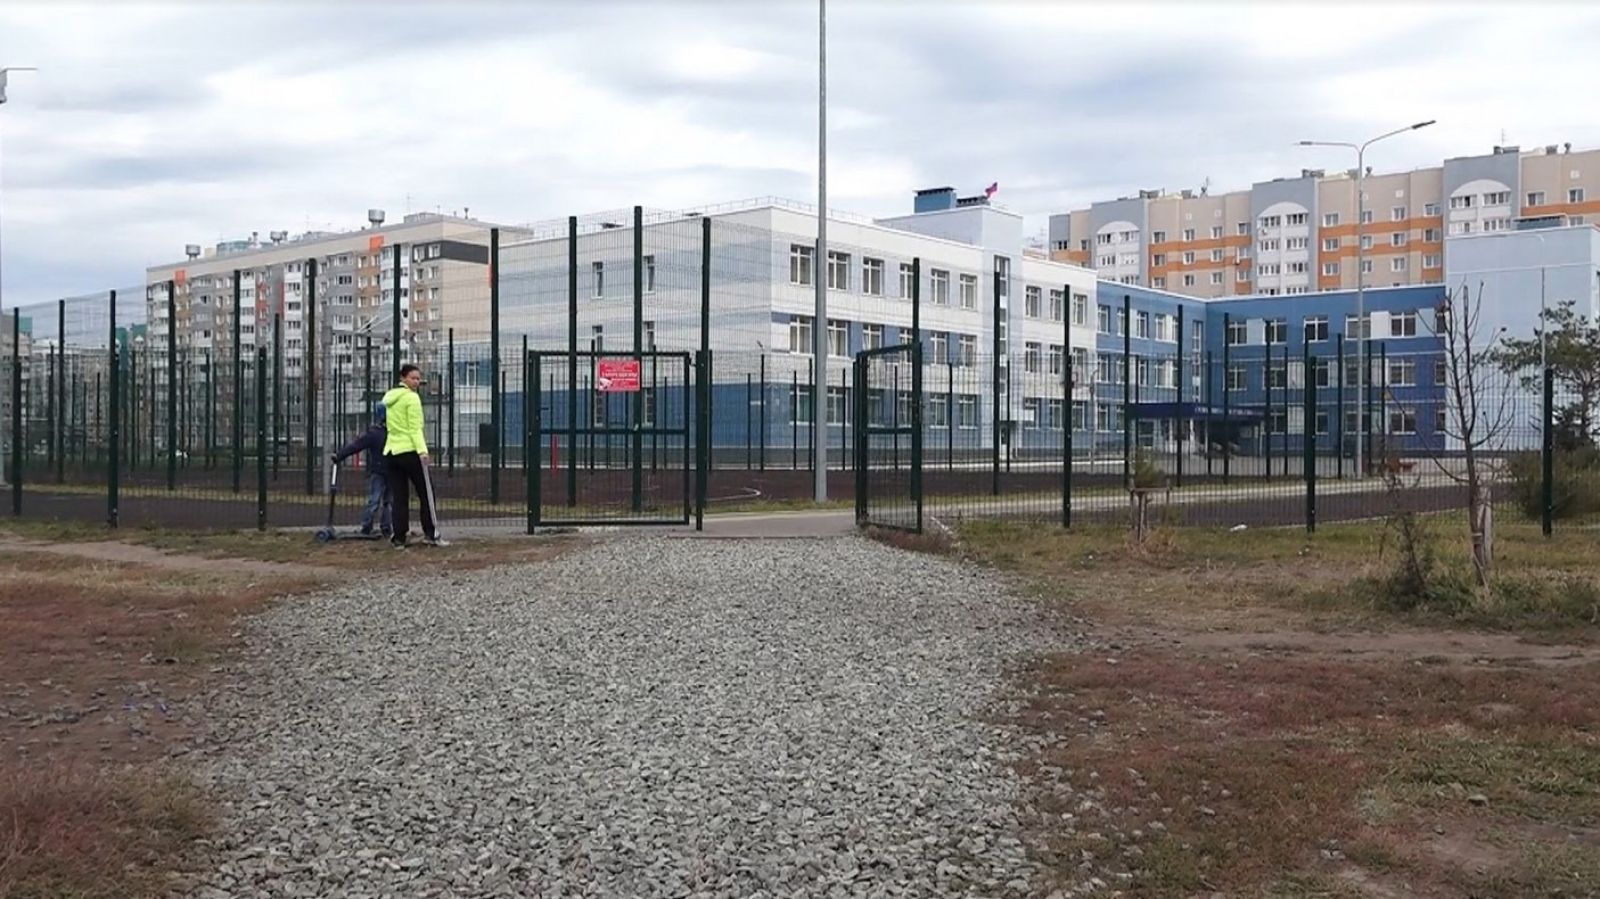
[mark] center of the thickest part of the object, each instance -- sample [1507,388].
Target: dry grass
[1257,728]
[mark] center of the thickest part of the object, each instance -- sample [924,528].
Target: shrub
[1576,490]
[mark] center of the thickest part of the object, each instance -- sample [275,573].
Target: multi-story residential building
[1298,235]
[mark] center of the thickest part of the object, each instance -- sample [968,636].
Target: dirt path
[1465,648]
[134,554]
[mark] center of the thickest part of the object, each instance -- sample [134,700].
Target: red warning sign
[618,376]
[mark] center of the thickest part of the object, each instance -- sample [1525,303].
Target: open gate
[888,428]
[617,438]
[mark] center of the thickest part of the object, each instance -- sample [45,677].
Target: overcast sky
[151,126]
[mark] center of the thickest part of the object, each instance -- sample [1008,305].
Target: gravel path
[643,717]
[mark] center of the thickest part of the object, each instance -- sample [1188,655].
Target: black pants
[405,472]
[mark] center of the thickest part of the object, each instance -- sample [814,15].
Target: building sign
[618,376]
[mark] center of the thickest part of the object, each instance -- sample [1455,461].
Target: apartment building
[1296,235]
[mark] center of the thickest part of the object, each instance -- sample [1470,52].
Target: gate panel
[888,429]
[625,458]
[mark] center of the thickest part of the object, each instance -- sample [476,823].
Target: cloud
[143,131]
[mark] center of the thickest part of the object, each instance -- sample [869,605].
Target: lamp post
[1361,259]
[4,71]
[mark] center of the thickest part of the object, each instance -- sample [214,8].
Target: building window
[1462,202]
[1433,260]
[939,344]
[799,334]
[1158,237]
[1188,280]
[1057,305]
[968,347]
[1141,324]
[1103,324]
[800,258]
[1403,372]
[1295,218]
[969,291]
[1460,227]
[1031,356]
[1216,231]
[1080,309]
[1330,219]
[1431,235]
[838,338]
[1216,255]
[800,403]
[1188,257]
[907,280]
[1403,421]
[1497,224]
[967,410]
[939,287]
[599,269]
[649,274]
[1430,209]
[1498,198]
[1535,198]
[872,277]
[1158,281]
[1575,195]
[1244,229]
[1055,358]
[838,271]
[937,415]
[871,337]
[1277,330]
[1316,328]
[1032,297]
[1397,239]
[1242,275]
[1366,241]
[1238,332]
[1366,217]
[1397,264]
[1403,324]
[1397,213]
[1268,244]
[1188,234]
[1216,277]
[1235,377]
[1271,221]
[1158,259]
[1295,268]
[1330,268]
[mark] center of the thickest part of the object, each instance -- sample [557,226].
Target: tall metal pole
[394,368]
[819,331]
[172,385]
[238,386]
[636,449]
[572,360]
[114,413]
[311,376]
[495,455]
[1363,330]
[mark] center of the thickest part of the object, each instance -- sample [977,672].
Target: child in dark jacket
[377,471]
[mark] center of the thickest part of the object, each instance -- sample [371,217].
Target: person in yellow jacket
[407,452]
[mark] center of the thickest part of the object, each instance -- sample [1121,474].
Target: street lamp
[4,71]
[1361,259]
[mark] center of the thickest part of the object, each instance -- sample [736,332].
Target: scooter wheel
[324,535]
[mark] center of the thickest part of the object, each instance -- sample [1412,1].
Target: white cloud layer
[151,126]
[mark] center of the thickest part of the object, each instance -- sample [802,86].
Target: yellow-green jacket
[405,422]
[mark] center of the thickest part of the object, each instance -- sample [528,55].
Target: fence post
[61,388]
[1547,502]
[572,361]
[1179,408]
[450,410]
[1266,415]
[1066,436]
[261,437]
[1127,390]
[277,388]
[1338,423]
[1227,424]
[114,417]
[702,448]
[532,433]
[1308,439]
[238,386]
[312,456]
[763,437]
[862,450]
[16,411]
